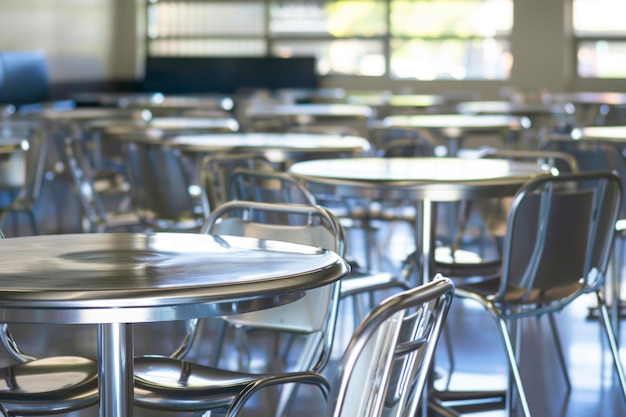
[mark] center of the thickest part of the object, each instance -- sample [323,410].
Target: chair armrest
[11,346]
[309,378]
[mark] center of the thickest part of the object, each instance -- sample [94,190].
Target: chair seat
[489,287]
[357,282]
[464,263]
[50,385]
[166,383]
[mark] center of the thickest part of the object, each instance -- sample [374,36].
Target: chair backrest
[216,172]
[563,162]
[493,211]
[74,158]
[269,186]
[161,185]
[559,237]
[593,155]
[315,312]
[385,366]
[396,141]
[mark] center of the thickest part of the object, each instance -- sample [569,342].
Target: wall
[102,40]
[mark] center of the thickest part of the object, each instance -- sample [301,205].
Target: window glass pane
[599,17]
[213,18]
[602,59]
[207,47]
[452,59]
[76,35]
[483,18]
[336,18]
[354,56]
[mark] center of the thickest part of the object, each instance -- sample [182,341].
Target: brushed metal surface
[123,277]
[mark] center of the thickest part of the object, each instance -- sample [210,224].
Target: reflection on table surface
[415,170]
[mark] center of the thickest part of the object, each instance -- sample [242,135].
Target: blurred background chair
[105,202]
[386,365]
[174,384]
[162,187]
[217,170]
[21,172]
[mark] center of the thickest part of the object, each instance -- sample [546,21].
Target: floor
[479,360]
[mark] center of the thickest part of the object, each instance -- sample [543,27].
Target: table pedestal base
[115,360]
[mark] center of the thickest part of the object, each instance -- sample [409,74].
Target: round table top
[310,109]
[440,179]
[125,277]
[507,107]
[264,141]
[607,133]
[397,100]
[88,113]
[455,121]
[145,100]
[590,97]
[154,128]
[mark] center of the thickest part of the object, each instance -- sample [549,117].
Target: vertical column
[115,362]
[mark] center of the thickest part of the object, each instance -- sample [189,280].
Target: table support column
[115,372]
[423,238]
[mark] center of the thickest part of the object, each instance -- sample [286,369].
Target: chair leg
[559,350]
[310,351]
[450,353]
[617,280]
[219,343]
[33,221]
[513,366]
[606,321]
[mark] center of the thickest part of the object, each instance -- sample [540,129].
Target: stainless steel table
[299,115]
[386,103]
[615,134]
[162,103]
[455,126]
[279,148]
[422,181]
[114,280]
[592,106]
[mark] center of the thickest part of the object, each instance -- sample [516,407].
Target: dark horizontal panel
[178,75]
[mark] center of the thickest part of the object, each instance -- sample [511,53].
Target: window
[400,39]
[600,36]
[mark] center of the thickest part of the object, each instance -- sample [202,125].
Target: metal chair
[104,202]
[23,172]
[597,154]
[552,254]
[44,386]
[173,384]
[385,367]
[216,172]
[161,186]
[282,187]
